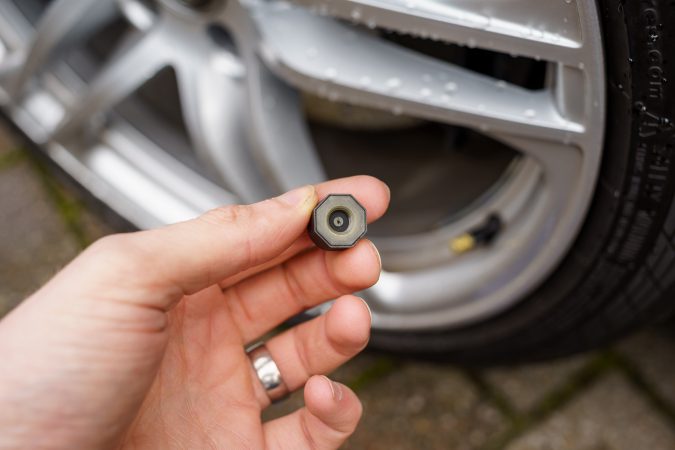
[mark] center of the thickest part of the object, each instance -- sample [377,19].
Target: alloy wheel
[244,71]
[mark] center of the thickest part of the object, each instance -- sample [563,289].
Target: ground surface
[622,398]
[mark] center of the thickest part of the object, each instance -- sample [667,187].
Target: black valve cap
[338,222]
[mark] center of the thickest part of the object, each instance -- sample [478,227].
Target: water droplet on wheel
[392,83]
[425,92]
[451,87]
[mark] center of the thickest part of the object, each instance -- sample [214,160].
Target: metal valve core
[338,222]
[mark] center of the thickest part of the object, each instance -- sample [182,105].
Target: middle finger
[262,302]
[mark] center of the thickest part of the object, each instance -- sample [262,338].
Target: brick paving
[610,415]
[622,398]
[526,385]
[35,241]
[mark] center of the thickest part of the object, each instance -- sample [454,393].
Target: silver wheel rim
[241,109]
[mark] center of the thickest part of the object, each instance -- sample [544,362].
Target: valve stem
[484,234]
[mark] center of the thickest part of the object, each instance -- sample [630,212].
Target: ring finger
[320,345]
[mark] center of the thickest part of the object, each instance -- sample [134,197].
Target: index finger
[187,257]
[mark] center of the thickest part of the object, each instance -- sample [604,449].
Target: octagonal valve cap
[338,222]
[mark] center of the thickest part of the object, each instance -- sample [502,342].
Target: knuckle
[111,244]
[116,250]
[310,442]
[227,215]
[248,226]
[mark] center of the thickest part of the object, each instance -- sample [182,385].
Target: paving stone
[526,385]
[611,416]
[34,243]
[94,226]
[362,369]
[654,353]
[423,406]
[92,223]
[89,216]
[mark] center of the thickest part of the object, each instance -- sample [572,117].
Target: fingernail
[369,311]
[335,389]
[388,190]
[377,252]
[297,196]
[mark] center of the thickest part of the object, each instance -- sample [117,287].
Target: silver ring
[268,373]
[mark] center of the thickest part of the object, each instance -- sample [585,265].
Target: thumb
[189,256]
[331,413]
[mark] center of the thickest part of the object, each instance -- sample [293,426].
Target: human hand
[140,341]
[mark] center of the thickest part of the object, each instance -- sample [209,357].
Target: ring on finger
[268,373]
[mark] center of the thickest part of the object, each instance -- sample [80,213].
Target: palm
[204,393]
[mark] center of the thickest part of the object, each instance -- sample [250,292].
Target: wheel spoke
[277,125]
[547,30]
[65,24]
[561,164]
[137,13]
[213,99]
[571,93]
[279,130]
[138,60]
[322,56]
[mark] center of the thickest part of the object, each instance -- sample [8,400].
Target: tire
[620,273]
